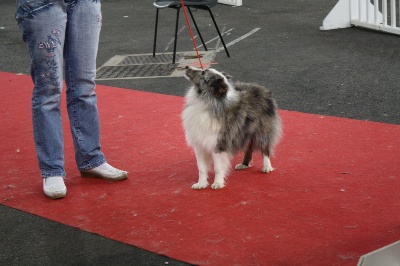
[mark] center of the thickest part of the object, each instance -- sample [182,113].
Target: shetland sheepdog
[221,118]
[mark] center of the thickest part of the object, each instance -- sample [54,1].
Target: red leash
[191,33]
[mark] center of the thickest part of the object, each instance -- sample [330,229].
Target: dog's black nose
[186,67]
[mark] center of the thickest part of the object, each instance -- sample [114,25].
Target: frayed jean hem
[48,174]
[92,165]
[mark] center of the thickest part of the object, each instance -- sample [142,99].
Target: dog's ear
[220,88]
[227,76]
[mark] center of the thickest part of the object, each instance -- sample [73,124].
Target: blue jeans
[62,37]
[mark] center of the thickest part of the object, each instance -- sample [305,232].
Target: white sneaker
[107,172]
[54,187]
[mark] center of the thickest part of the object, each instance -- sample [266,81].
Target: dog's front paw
[267,169]
[200,185]
[217,185]
[241,166]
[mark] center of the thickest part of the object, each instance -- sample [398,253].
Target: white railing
[379,15]
[231,2]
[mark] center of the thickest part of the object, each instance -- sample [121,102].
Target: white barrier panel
[373,14]
[386,256]
[231,2]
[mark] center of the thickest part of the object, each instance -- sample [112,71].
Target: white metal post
[393,13]
[376,11]
[384,11]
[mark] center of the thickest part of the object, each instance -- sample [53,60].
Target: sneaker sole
[57,196]
[118,178]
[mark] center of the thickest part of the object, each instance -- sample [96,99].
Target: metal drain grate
[146,66]
[150,70]
[148,59]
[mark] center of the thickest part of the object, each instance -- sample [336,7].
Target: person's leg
[43,28]
[82,38]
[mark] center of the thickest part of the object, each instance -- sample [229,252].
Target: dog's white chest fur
[201,129]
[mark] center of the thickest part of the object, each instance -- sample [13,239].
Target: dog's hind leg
[247,158]
[203,164]
[222,165]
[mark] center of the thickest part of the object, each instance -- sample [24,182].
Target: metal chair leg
[176,34]
[155,35]
[219,33]
[195,24]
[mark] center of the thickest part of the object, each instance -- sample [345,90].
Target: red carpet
[333,197]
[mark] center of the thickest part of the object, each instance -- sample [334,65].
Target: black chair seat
[177,3]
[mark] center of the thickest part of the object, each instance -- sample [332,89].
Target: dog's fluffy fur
[221,118]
